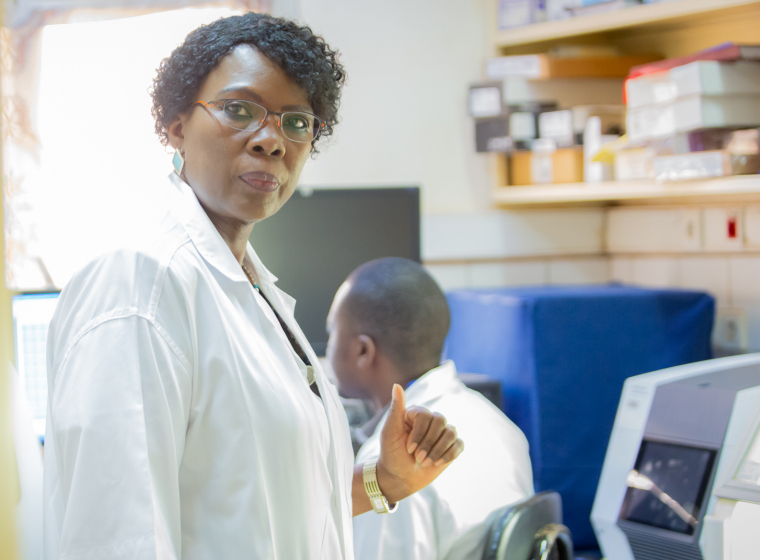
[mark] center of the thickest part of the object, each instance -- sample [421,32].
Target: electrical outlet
[730,330]
[723,229]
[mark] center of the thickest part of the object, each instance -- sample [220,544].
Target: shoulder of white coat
[468,410]
[122,283]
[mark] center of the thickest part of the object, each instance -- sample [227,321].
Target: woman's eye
[297,122]
[237,110]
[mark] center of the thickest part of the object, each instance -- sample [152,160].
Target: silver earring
[178,162]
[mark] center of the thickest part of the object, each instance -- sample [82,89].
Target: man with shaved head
[387,325]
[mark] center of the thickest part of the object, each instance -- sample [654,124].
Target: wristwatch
[376,498]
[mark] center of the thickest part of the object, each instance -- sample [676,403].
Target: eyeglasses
[246,115]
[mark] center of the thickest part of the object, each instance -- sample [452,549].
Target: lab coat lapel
[336,416]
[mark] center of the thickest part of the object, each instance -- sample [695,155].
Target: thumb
[394,424]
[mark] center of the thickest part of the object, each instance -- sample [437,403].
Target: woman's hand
[416,445]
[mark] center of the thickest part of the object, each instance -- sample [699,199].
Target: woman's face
[242,177]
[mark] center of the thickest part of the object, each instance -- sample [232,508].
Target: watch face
[377,503]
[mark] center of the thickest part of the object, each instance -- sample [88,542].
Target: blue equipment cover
[562,355]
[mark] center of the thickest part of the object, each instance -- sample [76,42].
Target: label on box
[557,125]
[527,66]
[522,126]
[485,102]
[541,169]
[655,121]
[698,165]
[515,13]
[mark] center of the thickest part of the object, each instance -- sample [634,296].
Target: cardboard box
[563,166]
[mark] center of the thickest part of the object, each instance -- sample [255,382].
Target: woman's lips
[263,182]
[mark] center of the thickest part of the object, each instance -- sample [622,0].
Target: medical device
[730,531]
[674,433]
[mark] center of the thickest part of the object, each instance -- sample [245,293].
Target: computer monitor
[674,432]
[667,486]
[319,236]
[31,317]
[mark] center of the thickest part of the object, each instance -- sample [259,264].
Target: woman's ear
[175,132]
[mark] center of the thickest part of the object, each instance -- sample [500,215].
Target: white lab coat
[447,519]
[180,422]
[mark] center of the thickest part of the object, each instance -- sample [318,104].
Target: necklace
[250,276]
[288,333]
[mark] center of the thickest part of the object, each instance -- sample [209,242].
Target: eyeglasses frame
[220,104]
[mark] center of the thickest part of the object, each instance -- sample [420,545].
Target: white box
[634,164]
[710,77]
[649,90]
[696,165]
[699,111]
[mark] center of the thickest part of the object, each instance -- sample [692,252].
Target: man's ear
[366,351]
[175,132]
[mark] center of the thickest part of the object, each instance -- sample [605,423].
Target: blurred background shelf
[730,189]
[672,28]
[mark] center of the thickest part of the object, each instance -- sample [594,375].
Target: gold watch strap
[376,498]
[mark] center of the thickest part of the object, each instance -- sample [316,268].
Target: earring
[178,162]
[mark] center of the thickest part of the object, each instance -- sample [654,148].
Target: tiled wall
[515,248]
[688,247]
[580,270]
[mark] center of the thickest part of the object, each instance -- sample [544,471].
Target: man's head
[387,324]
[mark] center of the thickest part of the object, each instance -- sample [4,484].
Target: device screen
[668,485]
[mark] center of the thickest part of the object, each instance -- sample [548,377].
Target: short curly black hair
[304,57]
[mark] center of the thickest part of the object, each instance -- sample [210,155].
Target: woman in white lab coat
[187,415]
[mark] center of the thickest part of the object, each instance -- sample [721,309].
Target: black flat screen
[679,476]
[318,237]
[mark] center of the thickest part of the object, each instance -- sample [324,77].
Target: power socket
[730,330]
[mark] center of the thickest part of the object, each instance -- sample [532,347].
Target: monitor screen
[318,237]
[667,487]
[31,317]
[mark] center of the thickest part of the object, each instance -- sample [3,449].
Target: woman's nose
[268,138]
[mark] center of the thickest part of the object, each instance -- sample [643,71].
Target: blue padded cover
[562,355]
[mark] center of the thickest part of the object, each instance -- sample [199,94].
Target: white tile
[579,271]
[709,274]
[621,269]
[752,227]
[534,273]
[554,232]
[487,275]
[461,236]
[450,276]
[661,272]
[652,230]
[499,234]
[744,277]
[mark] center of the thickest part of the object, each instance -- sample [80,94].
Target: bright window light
[102,165]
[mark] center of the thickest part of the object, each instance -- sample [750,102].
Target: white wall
[404,111]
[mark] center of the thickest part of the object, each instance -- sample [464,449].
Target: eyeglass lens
[246,115]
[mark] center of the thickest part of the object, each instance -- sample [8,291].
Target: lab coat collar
[188,210]
[436,382]
[212,247]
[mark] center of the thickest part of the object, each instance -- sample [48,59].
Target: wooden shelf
[745,188]
[643,18]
